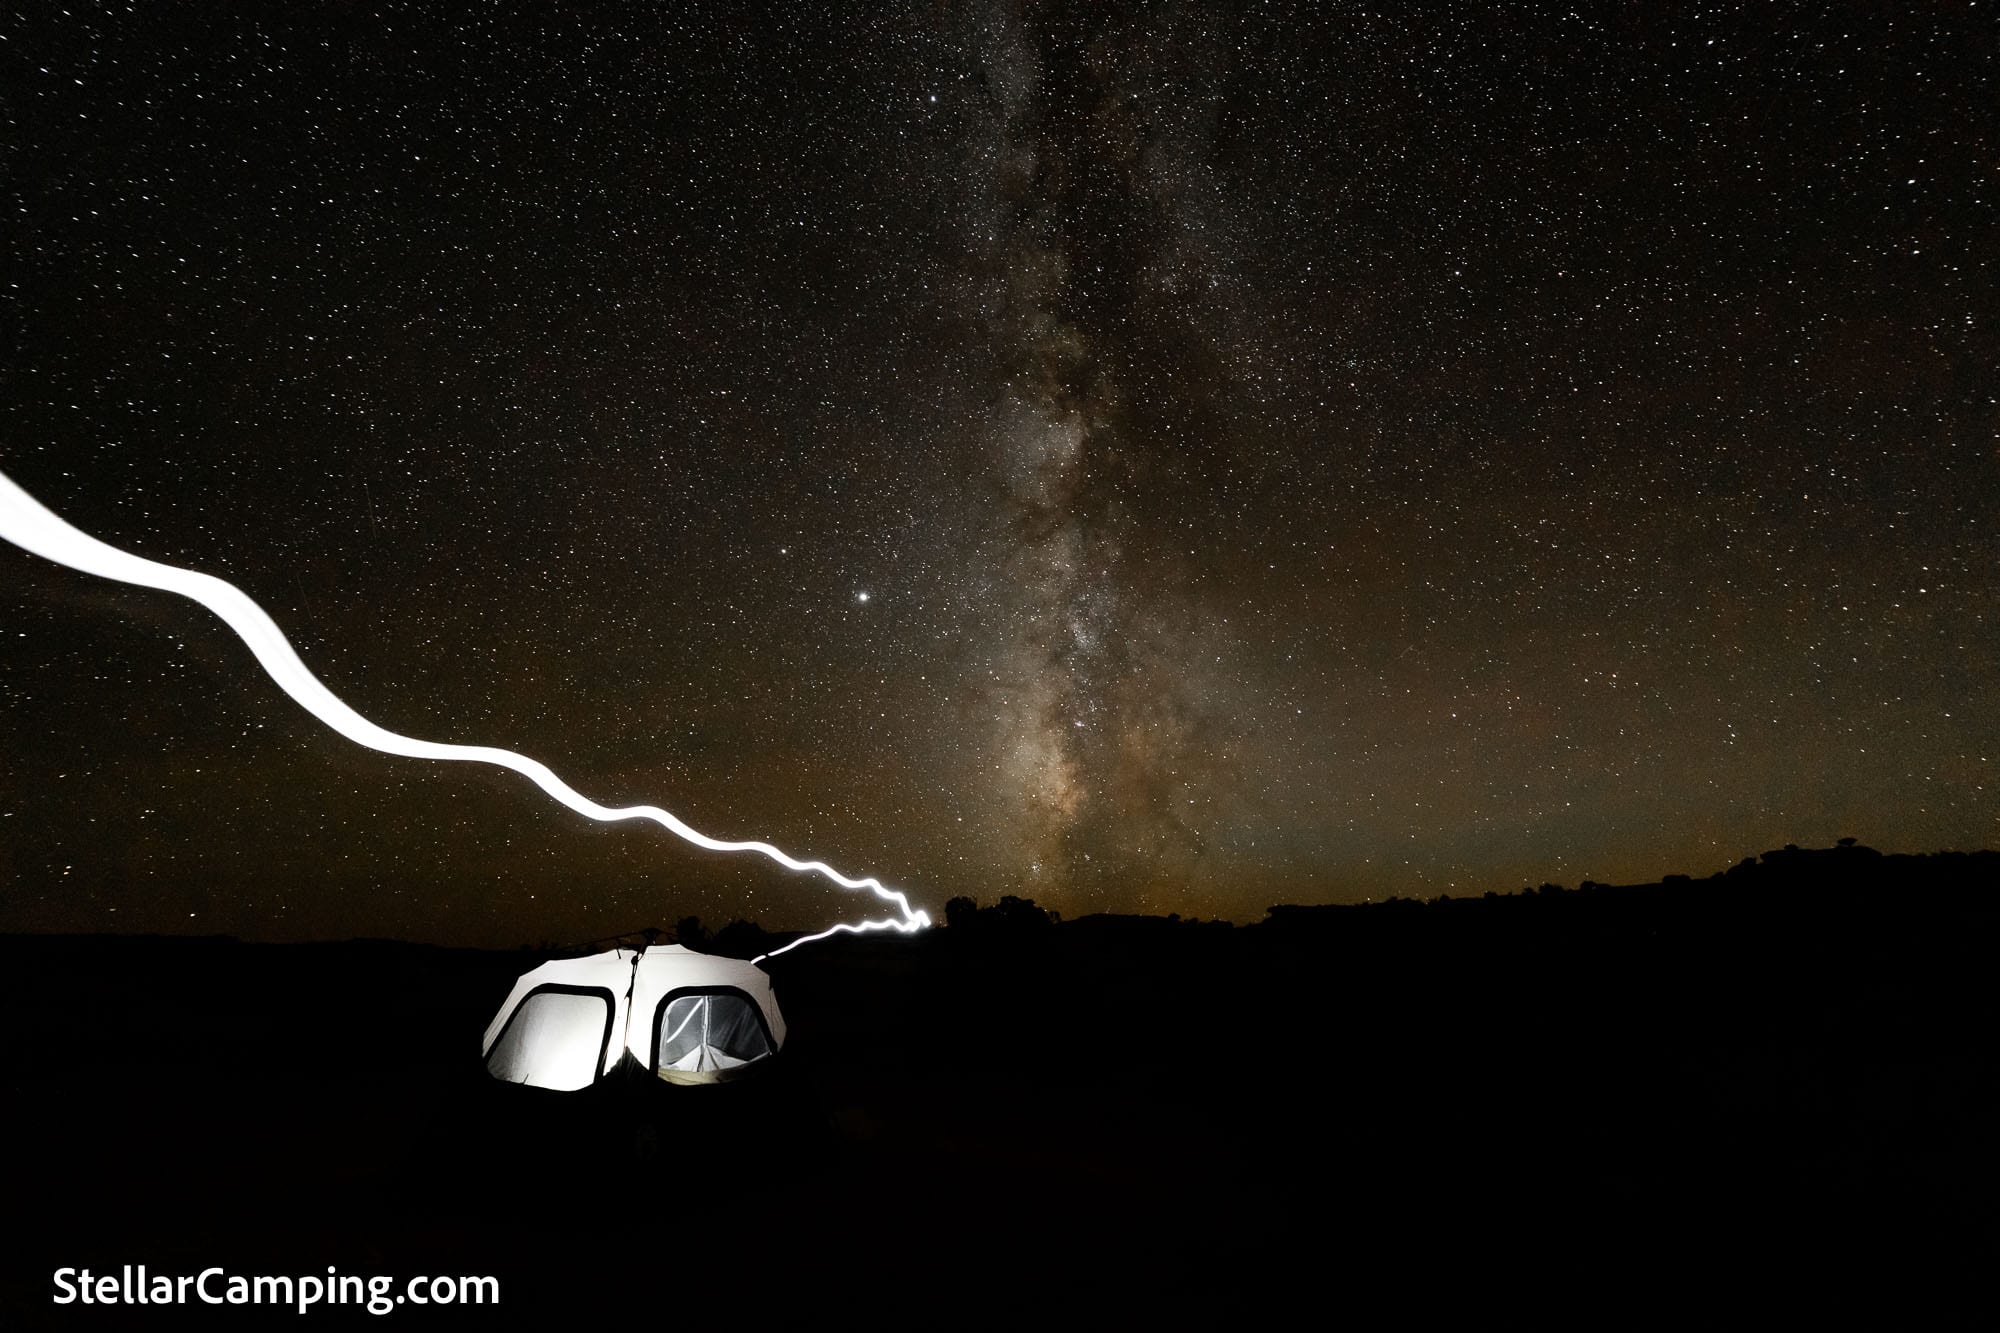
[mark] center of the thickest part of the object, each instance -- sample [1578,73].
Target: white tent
[687,1017]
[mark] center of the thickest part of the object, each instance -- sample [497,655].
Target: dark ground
[1785,1073]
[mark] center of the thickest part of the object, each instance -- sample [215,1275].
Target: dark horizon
[1848,864]
[1166,458]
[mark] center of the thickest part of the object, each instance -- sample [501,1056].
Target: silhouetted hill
[1786,1068]
[1805,889]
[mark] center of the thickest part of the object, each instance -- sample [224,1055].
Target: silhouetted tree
[741,939]
[1019,913]
[690,932]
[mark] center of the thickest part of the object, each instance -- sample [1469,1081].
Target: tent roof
[636,993]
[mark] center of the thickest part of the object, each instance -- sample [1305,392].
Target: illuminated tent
[687,1017]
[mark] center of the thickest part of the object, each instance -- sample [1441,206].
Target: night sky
[1166,458]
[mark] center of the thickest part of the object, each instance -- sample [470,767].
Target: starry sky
[1146,457]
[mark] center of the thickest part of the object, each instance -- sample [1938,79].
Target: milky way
[1101,292]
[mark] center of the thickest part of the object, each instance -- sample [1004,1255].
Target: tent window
[555,1039]
[708,1031]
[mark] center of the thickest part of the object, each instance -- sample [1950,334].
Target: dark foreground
[1787,1074]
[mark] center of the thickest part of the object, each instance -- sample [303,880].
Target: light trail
[844,928]
[28,524]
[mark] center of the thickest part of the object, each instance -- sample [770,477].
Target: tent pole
[631,988]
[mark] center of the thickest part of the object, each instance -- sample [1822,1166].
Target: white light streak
[845,929]
[31,526]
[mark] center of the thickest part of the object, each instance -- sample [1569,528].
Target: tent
[685,1016]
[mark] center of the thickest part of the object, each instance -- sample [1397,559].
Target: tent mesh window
[708,1033]
[554,1040]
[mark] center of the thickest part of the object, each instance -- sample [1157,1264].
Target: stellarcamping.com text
[218,1286]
